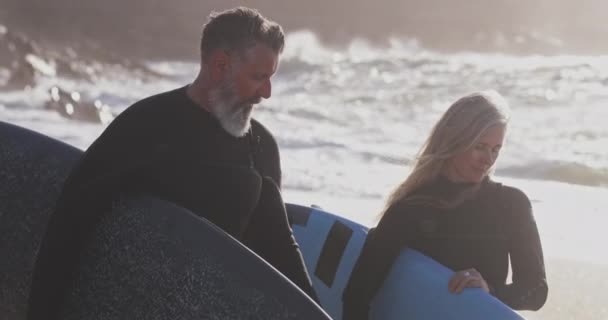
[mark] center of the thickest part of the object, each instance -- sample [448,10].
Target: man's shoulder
[266,152]
[157,101]
[258,129]
[151,108]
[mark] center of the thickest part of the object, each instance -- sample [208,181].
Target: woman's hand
[470,278]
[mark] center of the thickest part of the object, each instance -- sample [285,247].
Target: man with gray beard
[196,146]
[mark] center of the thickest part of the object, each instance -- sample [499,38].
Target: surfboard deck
[33,168]
[148,259]
[416,287]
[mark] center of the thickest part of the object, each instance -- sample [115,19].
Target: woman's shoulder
[513,193]
[511,197]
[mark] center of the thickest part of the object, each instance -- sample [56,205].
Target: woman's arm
[381,248]
[529,289]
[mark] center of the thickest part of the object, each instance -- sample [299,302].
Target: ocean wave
[568,172]
[359,104]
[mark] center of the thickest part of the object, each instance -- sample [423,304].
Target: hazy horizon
[138,27]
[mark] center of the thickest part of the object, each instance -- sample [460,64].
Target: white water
[350,121]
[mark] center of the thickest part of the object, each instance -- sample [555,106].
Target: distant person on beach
[196,146]
[450,209]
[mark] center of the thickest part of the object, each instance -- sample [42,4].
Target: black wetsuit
[481,232]
[168,147]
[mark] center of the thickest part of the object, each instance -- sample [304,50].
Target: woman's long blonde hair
[458,130]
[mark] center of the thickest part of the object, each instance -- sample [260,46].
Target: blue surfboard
[416,287]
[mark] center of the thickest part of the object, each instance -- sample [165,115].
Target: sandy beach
[577,290]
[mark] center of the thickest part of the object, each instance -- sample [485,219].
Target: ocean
[350,120]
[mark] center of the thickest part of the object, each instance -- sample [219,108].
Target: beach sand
[577,290]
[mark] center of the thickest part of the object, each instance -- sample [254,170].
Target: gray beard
[234,116]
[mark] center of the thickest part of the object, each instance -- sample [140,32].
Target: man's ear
[218,63]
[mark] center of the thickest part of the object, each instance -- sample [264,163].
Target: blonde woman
[451,210]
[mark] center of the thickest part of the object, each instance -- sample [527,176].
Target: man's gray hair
[238,29]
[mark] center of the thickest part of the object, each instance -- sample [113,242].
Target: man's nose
[265,90]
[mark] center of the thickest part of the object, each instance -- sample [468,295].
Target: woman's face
[473,165]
